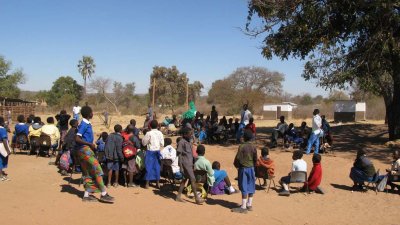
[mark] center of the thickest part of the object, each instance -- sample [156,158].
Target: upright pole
[154,92]
[187,92]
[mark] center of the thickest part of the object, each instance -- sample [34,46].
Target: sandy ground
[38,194]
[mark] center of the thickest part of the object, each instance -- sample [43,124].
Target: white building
[274,111]
[349,111]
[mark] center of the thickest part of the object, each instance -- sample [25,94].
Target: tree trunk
[393,105]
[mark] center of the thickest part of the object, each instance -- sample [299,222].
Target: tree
[245,85]
[336,95]
[86,68]
[171,87]
[9,80]
[64,92]
[343,41]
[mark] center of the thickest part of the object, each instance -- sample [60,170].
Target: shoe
[249,208]
[234,192]
[131,186]
[107,198]
[5,178]
[91,198]
[284,193]
[239,210]
[320,190]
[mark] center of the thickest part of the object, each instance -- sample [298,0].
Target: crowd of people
[123,152]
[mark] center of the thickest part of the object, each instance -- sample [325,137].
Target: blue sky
[127,38]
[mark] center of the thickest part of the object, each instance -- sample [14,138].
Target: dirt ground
[37,194]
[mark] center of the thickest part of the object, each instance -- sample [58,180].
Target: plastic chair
[167,172]
[299,177]
[262,173]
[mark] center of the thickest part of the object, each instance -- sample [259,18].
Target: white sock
[231,189]
[244,203]
[250,201]
[103,193]
[86,194]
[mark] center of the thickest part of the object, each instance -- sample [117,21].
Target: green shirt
[246,156]
[203,164]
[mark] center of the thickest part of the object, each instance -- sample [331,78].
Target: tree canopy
[86,67]
[9,80]
[64,92]
[245,85]
[170,88]
[343,42]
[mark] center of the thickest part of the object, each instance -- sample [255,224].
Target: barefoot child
[245,160]
[266,162]
[91,169]
[185,155]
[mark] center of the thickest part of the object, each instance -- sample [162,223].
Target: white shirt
[316,124]
[169,152]
[299,165]
[154,140]
[245,116]
[76,109]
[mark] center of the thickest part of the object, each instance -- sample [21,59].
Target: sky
[127,38]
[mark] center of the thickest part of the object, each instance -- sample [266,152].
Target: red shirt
[252,127]
[314,180]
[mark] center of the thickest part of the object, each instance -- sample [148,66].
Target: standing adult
[214,115]
[315,134]
[245,116]
[150,112]
[76,110]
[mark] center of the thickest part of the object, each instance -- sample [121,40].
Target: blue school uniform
[3,160]
[85,130]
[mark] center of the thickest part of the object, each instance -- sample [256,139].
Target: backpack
[128,148]
[65,161]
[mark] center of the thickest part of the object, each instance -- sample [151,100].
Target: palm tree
[86,68]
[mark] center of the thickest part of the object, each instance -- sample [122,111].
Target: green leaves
[9,81]
[64,92]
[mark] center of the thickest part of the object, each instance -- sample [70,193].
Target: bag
[382,185]
[65,161]
[128,149]
[3,150]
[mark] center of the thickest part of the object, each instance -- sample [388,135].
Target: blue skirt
[152,165]
[247,180]
[3,162]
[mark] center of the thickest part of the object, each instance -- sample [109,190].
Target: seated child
[203,136]
[20,128]
[222,184]
[169,152]
[394,172]
[51,130]
[314,180]
[252,127]
[113,152]
[203,164]
[291,135]
[298,164]
[266,162]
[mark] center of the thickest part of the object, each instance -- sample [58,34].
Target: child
[113,152]
[203,135]
[3,160]
[266,162]
[154,140]
[314,180]
[252,127]
[101,142]
[51,130]
[203,164]
[169,152]
[185,155]
[132,170]
[245,160]
[91,169]
[298,164]
[69,142]
[222,183]
[20,128]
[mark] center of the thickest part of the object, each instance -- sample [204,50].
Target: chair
[262,173]
[34,142]
[374,183]
[299,177]
[44,144]
[201,178]
[21,142]
[167,172]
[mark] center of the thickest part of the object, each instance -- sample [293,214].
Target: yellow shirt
[33,132]
[52,131]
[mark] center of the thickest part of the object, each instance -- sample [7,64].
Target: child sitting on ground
[298,164]
[113,152]
[222,184]
[169,152]
[314,180]
[266,162]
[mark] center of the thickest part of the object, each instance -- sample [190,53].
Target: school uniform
[154,140]
[185,158]
[3,160]
[245,161]
[91,169]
